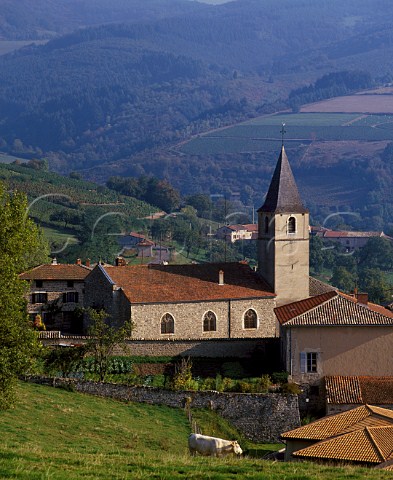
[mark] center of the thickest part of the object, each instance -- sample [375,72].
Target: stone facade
[284,256]
[188,317]
[260,417]
[56,310]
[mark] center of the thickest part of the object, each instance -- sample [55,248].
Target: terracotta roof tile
[185,283]
[359,389]
[333,234]
[57,272]
[368,445]
[332,309]
[342,390]
[331,425]
[292,310]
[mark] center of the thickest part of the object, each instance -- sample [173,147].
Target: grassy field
[55,434]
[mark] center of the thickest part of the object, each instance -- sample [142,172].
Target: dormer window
[291,225]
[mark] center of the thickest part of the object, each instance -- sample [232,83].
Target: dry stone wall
[260,417]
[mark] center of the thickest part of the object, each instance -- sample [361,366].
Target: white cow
[212,446]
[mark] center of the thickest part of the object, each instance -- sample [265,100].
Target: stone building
[208,301]
[56,292]
[283,237]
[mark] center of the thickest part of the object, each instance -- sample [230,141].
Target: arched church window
[250,319]
[209,322]
[266,224]
[291,225]
[167,323]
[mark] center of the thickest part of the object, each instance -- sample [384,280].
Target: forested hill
[172,69]
[42,19]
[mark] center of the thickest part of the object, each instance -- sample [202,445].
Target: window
[209,322]
[250,319]
[40,297]
[308,362]
[39,283]
[266,224]
[70,297]
[291,225]
[167,324]
[70,283]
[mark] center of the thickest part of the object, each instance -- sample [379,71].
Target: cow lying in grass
[212,446]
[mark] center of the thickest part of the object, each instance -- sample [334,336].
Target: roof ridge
[374,442]
[334,295]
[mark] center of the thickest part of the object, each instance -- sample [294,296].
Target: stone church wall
[259,417]
[189,319]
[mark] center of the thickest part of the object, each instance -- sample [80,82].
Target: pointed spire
[283,195]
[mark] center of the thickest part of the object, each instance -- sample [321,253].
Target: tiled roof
[317,287]
[57,272]
[187,283]
[359,389]
[283,195]
[368,445]
[332,425]
[332,309]
[251,227]
[333,234]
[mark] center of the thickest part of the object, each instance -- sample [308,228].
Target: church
[216,301]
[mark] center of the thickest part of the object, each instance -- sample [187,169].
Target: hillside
[42,19]
[79,218]
[62,435]
[106,93]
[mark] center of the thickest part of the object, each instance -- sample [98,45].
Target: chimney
[221,277]
[88,262]
[78,261]
[54,261]
[362,298]
[120,262]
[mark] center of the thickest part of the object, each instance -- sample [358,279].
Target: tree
[373,282]
[343,279]
[19,241]
[104,337]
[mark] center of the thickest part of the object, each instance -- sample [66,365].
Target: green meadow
[56,434]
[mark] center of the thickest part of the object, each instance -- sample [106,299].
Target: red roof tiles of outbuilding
[57,272]
[359,389]
[188,283]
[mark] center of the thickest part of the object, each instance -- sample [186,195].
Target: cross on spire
[283,132]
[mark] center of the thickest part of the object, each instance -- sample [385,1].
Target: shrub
[291,388]
[280,377]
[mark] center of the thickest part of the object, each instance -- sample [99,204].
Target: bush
[280,377]
[291,388]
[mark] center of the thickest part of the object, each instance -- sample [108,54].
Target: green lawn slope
[56,434]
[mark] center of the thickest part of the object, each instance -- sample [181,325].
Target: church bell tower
[283,236]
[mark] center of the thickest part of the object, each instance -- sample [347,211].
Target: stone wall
[218,348]
[260,417]
[188,318]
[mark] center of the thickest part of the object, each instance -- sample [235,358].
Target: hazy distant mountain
[37,19]
[172,68]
